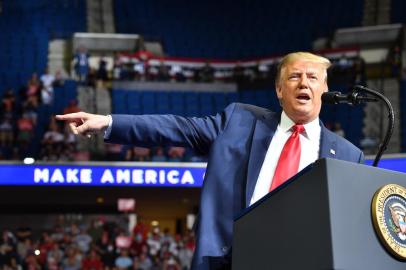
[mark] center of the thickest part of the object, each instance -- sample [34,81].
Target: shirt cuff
[107,132]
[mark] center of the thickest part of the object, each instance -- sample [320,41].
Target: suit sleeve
[154,130]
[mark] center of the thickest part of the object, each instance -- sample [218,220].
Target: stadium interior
[189,58]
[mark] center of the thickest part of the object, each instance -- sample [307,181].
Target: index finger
[70,116]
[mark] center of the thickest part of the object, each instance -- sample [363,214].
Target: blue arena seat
[162,103]
[148,102]
[398,11]
[220,101]
[232,97]
[130,102]
[120,101]
[177,103]
[206,103]
[194,104]
[248,96]
[252,30]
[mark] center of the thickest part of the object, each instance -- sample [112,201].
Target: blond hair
[306,56]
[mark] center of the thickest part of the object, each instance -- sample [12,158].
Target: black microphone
[353,98]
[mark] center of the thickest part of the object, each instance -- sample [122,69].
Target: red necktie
[288,163]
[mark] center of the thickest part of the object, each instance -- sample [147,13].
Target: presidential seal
[389,218]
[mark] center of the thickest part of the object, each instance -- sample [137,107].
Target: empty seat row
[235,29]
[183,103]
[208,103]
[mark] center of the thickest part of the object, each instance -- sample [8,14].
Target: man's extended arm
[153,130]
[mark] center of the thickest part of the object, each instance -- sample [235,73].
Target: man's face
[299,90]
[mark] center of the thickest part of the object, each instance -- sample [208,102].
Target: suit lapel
[328,144]
[264,130]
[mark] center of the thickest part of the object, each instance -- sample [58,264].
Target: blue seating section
[20,55]
[186,103]
[209,103]
[402,97]
[398,11]
[63,95]
[58,18]
[235,29]
[26,26]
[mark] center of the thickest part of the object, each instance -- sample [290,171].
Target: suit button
[224,249]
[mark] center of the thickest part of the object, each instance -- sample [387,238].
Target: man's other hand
[85,123]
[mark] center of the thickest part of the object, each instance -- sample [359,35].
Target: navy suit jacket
[236,141]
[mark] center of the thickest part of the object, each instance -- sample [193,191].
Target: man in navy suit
[243,142]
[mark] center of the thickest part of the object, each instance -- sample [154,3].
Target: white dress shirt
[310,147]
[107,132]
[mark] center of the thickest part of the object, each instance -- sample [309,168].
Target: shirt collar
[312,129]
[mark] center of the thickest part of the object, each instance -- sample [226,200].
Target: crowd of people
[140,70]
[99,245]
[19,113]
[19,121]
[117,152]
[19,109]
[144,66]
[57,143]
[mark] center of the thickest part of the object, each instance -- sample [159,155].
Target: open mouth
[303,97]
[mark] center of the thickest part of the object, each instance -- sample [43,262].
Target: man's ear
[278,90]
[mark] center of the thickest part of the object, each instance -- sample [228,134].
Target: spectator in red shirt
[33,87]
[8,101]
[92,261]
[138,244]
[72,107]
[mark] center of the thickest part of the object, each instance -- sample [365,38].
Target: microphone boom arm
[391,118]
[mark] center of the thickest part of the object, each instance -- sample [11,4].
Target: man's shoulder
[252,110]
[341,141]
